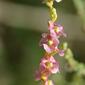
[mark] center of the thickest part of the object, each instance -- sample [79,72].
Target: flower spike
[50,43]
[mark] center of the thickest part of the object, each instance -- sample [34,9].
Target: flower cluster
[48,65]
[50,42]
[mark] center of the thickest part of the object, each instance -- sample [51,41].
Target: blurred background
[21,25]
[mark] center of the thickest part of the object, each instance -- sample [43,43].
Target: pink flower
[56,30]
[48,39]
[42,74]
[49,43]
[50,64]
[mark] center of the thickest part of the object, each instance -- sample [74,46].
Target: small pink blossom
[56,30]
[49,43]
[47,38]
[42,74]
[48,66]
[50,63]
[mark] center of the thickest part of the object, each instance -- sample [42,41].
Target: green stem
[76,66]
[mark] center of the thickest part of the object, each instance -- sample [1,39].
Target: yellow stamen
[50,42]
[56,29]
[49,64]
[43,77]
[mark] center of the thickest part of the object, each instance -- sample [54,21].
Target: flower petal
[61,52]
[47,49]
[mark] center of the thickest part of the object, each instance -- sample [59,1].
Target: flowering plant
[50,42]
